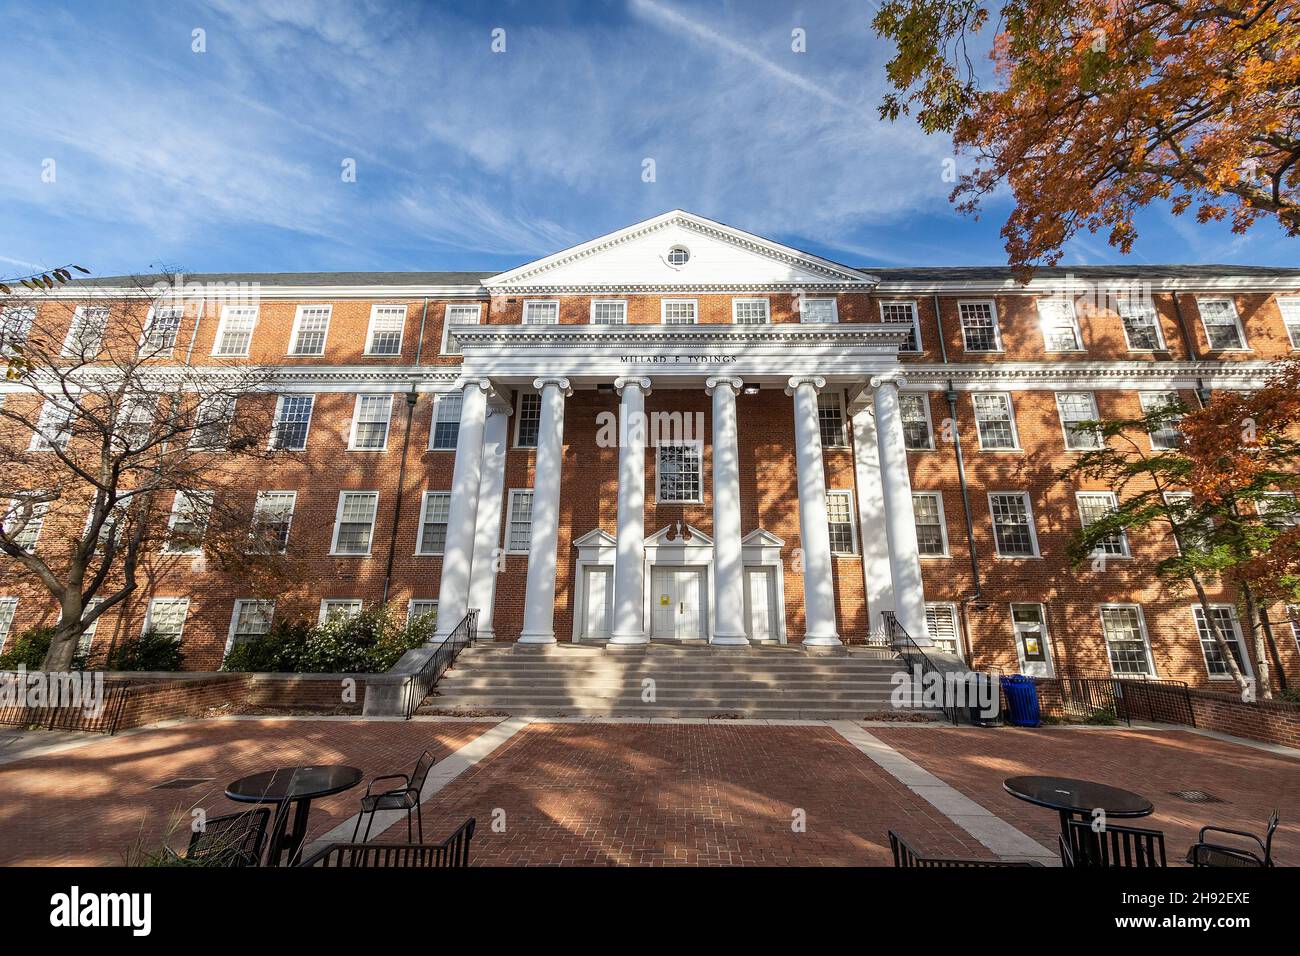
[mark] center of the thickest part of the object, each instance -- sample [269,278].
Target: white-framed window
[931,528]
[113,526]
[679,311]
[941,622]
[135,420]
[609,311]
[1125,631]
[1060,325]
[1075,408]
[1277,509]
[354,522]
[87,637]
[1193,533]
[213,416]
[384,336]
[417,608]
[187,522]
[339,607]
[979,326]
[1141,325]
[1095,505]
[446,421]
[830,420]
[160,330]
[918,429]
[292,422]
[1290,309]
[839,521]
[31,516]
[819,311]
[370,420]
[435,511]
[235,330]
[15,327]
[678,256]
[8,605]
[53,427]
[459,313]
[311,326]
[250,618]
[541,312]
[528,419]
[1222,326]
[519,523]
[751,311]
[904,311]
[1013,524]
[166,617]
[1225,617]
[86,333]
[995,421]
[273,517]
[1164,432]
[679,469]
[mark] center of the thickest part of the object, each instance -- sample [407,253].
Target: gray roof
[313,278]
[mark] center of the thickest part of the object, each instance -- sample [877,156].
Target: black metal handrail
[75,718]
[1160,700]
[906,648]
[422,682]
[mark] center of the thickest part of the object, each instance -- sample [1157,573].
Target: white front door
[599,598]
[760,604]
[677,600]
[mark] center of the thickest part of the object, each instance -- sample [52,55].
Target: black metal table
[288,786]
[1080,798]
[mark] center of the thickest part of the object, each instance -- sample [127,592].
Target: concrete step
[768,713]
[482,682]
[738,701]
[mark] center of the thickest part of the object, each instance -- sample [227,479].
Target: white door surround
[679,545]
[761,552]
[679,603]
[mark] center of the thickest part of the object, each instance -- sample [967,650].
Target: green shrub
[29,650]
[279,649]
[369,642]
[150,651]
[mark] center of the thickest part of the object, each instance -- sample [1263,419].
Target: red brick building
[684,431]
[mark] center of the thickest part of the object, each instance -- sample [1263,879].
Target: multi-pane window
[355,523]
[112,528]
[161,330]
[385,334]
[1141,326]
[931,539]
[434,514]
[188,521]
[235,332]
[88,635]
[166,617]
[272,517]
[419,608]
[7,607]
[903,312]
[993,421]
[839,521]
[292,419]
[1290,308]
[679,471]
[1277,509]
[53,427]
[24,521]
[519,526]
[370,419]
[608,312]
[1060,326]
[135,419]
[86,333]
[941,622]
[818,311]
[1126,641]
[529,420]
[830,419]
[464,313]
[15,326]
[1164,431]
[1013,525]
[311,325]
[541,312]
[1222,330]
[250,619]
[213,417]
[914,408]
[446,422]
[1224,617]
[342,608]
[750,311]
[1075,409]
[1192,533]
[979,327]
[1094,506]
[680,311]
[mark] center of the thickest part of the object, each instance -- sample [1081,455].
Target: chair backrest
[421,771]
[232,840]
[907,858]
[1268,839]
[1114,846]
[451,852]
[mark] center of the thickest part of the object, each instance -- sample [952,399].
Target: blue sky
[231,159]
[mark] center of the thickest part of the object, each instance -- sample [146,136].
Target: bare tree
[114,447]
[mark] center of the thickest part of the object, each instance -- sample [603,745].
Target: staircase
[780,682]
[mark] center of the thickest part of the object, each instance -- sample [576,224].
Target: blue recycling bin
[1022,701]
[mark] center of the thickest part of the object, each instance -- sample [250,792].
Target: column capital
[714,381]
[559,381]
[640,382]
[483,383]
[818,382]
[895,380]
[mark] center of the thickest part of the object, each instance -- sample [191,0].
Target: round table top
[1080,796]
[294,783]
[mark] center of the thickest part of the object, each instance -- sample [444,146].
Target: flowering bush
[368,642]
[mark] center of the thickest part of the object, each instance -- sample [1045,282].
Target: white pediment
[595,539]
[596,547]
[716,257]
[759,538]
[681,536]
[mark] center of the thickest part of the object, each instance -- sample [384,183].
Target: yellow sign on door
[665,600]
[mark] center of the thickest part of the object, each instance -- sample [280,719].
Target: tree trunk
[66,633]
[1228,660]
[1264,684]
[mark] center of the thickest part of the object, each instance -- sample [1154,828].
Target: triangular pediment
[691,537]
[597,538]
[639,258]
[759,538]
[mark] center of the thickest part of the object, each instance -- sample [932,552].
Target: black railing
[103,720]
[1126,698]
[423,681]
[917,662]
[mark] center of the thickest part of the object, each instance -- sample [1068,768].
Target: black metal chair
[236,839]
[1115,846]
[907,858]
[451,852]
[1202,853]
[406,797]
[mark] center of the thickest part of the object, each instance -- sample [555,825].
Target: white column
[900,519]
[877,578]
[629,558]
[453,589]
[487,533]
[539,598]
[728,563]
[820,629]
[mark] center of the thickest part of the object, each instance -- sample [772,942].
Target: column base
[825,650]
[729,640]
[628,639]
[543,638]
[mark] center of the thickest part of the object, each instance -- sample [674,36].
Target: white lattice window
[839,521]
[1126,640]
[830,420]
[542,312]
[370,420]
[1094,506]
[446,421]
[311,326]
[24,521]
[1225,618]
[608,311]
[292,421]
[420,607]
[1013,525]
[435,512]
[8,606]
[250,619]
[1222,327]
[818,311]
[342,608]
[166,617]
[384,337]
[188,521]
[53,427]
[680,311]
[1076,408]
[1141,325]
[528,420]
[931,536]
[86,333]
[519,525]
[213,417]
[918,433]
[1060,325]
[994,421]
[15,327]
[235,331]
[161,329]
[1290,309]
[1163,429]
[750,311]
[354,525]
[272,518]
[679,472]
[462,313]
[904,312]
[979,327]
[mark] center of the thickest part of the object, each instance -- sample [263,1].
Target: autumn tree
[1096,108]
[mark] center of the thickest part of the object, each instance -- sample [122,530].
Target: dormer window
[679,256]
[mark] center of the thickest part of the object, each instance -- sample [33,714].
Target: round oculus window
[678,256]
